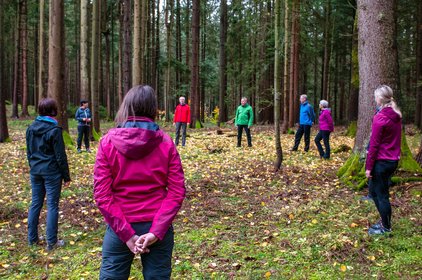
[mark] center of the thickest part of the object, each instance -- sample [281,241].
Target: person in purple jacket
[383,155]
[326,126]
[139,187]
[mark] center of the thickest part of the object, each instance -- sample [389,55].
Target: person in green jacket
[244,120]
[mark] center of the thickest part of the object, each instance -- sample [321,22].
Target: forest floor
[240,220]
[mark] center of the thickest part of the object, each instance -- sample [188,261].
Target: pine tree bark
[286,100]
[136,54]
[187,44]
[24,53]
[418,111]
[4,131]
[353,100]
[222,116]
[126,67]
[84,49]
[195,103]
[16,70]
[95,70]
[56,60]
[169,27]
[377,60]
[327,51]
[277,80]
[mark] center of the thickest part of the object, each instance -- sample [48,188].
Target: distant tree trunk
[286,101]
[126,67]
[222,117]
[4,131]
[84,49]
[376,23]
[294,63]
[107,85]
[203,45]
[195,104]
[327,51]
[169,27]
[187,45]
[178,45]
[17,71]
[95,69]
[56,60]
[353,101]
[157,53]
[120,51]
[136,54]
[418,113]
[152,67]
[41,52]
[24,53]
[277,99]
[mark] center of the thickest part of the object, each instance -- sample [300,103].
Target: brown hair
[140,101]
[47,107]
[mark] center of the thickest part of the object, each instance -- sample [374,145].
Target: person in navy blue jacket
[83,116]
[306,120]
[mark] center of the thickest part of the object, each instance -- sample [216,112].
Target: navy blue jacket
[45,148]
[307,114]
[83,114]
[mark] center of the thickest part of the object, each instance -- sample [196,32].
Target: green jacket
[244,115]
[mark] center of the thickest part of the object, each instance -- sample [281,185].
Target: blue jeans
[180,125]
[42,185]
[325,136]
[117,258]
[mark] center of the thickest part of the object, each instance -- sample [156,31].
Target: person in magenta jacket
[383,155]
[181,120]
[139,188]
[326,126]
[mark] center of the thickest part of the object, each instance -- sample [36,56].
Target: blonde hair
[385,95]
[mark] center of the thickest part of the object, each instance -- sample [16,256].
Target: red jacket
[385,138]
[138,177]
[182,114]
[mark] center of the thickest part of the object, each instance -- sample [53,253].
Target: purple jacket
[385,138]
[138,177]
[326,121]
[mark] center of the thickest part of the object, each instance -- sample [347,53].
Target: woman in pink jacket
[326,126]
[139,188]
[383,155]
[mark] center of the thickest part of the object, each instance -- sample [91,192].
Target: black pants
[379,189]
[83,131]
[180,125]
[240,129]
[303,129]
[323,135]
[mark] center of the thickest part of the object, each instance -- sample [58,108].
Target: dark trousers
[42,185]
[325,136]
[379,188]
[117,258]
[303,129]
[240,129]
[182,126]
[83,132]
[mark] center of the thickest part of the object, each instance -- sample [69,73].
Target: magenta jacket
[326,121]
[385,138]
[138,177]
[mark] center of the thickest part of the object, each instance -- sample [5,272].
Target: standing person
[83,116]
[326,126]
[383,155]
[306,120]
[139,188]
[48,168]
[244,121]
[181,120]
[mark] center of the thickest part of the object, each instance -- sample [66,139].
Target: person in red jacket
[139,187]
[181,120]
[383,155]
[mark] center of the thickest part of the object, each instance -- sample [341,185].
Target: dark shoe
[293,150]
[88,150]
[238,146]
[379,231]
[250,146]
[366,197]
[59,243]
[79,151]
[378,225]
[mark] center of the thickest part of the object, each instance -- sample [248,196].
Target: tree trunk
[222,116]
[327,51]
[126,67]
[17,71]
[169,27]
[24,53]
[277,99]
[353,102]
[136,55]
[4,131]
[56,60]
[187,45]
[418,111]
[107,85]
[157,53]
[178,45]
[95,70]
[286,101]
[85,86]
[419,155]
[195,106]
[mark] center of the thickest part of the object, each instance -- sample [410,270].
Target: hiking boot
[59,243]
[379,231]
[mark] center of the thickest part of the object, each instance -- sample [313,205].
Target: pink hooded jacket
[138,177]
[385,138]
[326,121]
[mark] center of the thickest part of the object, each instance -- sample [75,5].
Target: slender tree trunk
[353,101]
[203,45]
[121,44]
[277,99]
[85,86]
[418,111]
[95,70]
[107,85]
[187,44]
[136,54]
[195,104]
[56,60]
[327,51]
[126,67]
[17,71]
[24,53]
[157,52]
[178,45]
[153,59]
[169,27]
[222,117]
[419,155]
[4,131]
[286,101]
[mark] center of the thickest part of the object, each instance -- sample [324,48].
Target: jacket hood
[136,142]
[390,114]
[42,125]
